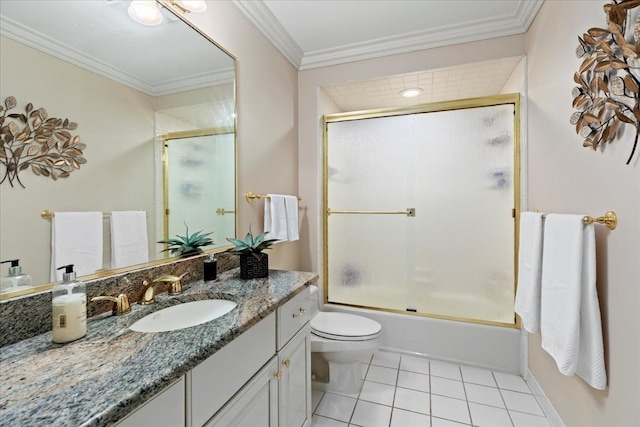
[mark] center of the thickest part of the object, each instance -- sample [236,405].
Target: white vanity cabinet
[260,379]
[166,409]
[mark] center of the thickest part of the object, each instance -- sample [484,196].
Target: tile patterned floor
[408,391]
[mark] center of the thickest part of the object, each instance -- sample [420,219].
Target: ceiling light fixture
[145,12]
[186,6]
[411,92]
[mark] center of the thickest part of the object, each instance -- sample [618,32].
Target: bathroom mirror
[130,88]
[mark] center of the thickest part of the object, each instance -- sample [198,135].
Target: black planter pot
[253,268]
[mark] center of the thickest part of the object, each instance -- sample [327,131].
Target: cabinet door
[295,384]
[255,405]
[165,410]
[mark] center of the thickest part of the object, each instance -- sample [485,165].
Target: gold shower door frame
[469,103]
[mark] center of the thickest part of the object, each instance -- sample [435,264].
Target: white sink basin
[183,315]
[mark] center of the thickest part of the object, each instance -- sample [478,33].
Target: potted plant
[253,262]
[187,245]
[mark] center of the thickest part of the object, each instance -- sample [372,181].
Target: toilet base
[339,377]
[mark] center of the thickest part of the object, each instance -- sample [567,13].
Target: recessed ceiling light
[197,6]
[411,92]
[145,12]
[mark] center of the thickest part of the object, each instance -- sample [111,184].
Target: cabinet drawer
[292,316]
[215,380]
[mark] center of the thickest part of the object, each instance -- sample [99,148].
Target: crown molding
[260,15]
[36,40]
[266,22]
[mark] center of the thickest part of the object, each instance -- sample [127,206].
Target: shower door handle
[408,212]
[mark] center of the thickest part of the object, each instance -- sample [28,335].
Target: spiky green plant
[187,245]
[252,245]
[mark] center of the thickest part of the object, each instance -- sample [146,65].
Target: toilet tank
[315,300]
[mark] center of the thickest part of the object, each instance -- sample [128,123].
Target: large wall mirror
[155,106]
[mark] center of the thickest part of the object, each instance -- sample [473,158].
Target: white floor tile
[445,370]
[488,416]
[511,382]
[450,409]
[371,414]
[336,407]
[477,376]
[527,420]
[447,387]
[521,402]
[317,421]
[414,364]
[412,400]
[439,422]
[377,393]
[483,394]
[386,359]
[316,395]
[402,418]
[383,375]
[413,380]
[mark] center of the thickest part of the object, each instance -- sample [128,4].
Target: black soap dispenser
[210,268]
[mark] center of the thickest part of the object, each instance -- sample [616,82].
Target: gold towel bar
[47,214]
[250,196]
[408,212]
[610,219]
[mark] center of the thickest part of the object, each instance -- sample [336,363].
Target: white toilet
[339,343]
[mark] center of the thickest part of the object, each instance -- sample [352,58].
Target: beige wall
[311,105]
[566,178]
[267,119]
[116,123]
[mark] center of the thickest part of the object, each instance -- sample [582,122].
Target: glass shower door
[455,169]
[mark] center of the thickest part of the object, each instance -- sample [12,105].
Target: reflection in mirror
[131,88]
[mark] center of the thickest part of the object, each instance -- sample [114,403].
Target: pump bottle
[69,308]
[16,279]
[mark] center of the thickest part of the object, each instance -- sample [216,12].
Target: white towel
[275,217]
[529,270]
[570,322]
[76,238]
[291,208]
[129,241]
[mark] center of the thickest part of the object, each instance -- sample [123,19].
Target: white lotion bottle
[69,307]
[15,279]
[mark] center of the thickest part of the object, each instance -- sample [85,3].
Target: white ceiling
[317,33]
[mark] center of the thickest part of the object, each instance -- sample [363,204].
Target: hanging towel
[275,217]
[129,241]
[76,238]
[570,322]
[529,270]
[291,207]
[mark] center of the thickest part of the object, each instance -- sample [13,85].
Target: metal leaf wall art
[34,140]
[609,77]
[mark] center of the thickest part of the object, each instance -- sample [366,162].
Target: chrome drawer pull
[301,313]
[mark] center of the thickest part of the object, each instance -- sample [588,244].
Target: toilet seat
[344,327]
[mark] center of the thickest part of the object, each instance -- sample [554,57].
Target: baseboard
[543,400]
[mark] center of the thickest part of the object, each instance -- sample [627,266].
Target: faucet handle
[120,303]
[175,284]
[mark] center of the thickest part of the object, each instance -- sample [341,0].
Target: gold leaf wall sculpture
[609,77]
[33,139]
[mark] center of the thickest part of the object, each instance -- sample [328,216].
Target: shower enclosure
[199,173]
[420,209]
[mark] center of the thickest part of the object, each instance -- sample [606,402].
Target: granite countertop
[99,379]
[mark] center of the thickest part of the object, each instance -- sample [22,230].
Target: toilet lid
[343,326]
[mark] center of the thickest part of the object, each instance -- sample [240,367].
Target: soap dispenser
[69,308]
[16,278]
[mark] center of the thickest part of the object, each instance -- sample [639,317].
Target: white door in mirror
[183,315]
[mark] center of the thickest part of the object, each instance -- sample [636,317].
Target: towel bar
[47,214]
[250,196]
[610,219]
